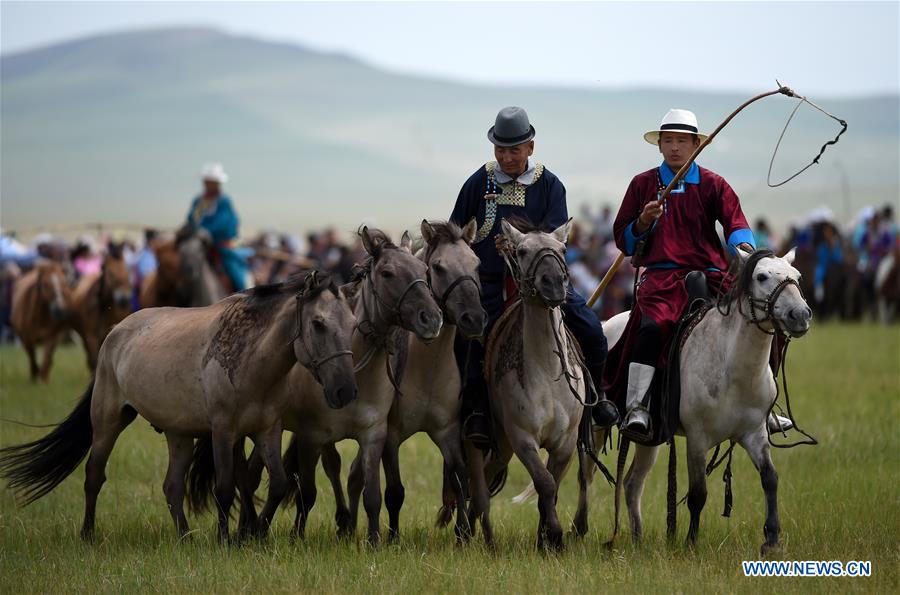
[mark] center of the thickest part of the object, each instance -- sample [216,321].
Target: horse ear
[312,279]
[741,253]
[368,242]
[791,255]
[470,230]
[427,231]
[511,233]
[562,232]
[406,241]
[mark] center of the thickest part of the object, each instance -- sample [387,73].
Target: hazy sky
[819,48]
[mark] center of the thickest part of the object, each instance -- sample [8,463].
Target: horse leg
[480,507]
[181,449]
[371,449]
[49,349]
[394,492]
[269,445]
[106,425]
[644,458]
[545,486]
[248,473]
[457,477]
[223,459]
[307,458]
[557,465]
[32,360]
[696,498]
[331,463]
[586,470]
[757,446]
[355,482]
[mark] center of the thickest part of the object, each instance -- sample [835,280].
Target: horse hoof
[769,548]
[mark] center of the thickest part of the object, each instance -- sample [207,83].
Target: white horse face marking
[790,311]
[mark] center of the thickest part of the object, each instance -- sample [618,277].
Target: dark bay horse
[41,310]
[194,372]
[99,302]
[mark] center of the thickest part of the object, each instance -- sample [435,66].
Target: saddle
[214,258]
[666,388]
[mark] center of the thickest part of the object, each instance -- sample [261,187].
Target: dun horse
[100,302]
[727,385]
[41,310]
[390,291]
[537,389]
[198,372]
[429,396]
[184,277]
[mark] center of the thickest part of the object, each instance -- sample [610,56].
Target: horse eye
[438,268]
[318,326]
[761,277]
[521,251]
[387,274]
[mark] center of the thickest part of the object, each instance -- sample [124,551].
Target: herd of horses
[373,361]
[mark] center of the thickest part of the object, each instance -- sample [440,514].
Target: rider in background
[212,211]
[673,240]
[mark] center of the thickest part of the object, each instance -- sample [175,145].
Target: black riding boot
[604,413]
[476,423]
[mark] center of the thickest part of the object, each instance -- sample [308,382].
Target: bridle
[767,306]
[314,364]
[527,287]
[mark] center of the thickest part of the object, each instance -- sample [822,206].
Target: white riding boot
[778,424]
[637,419]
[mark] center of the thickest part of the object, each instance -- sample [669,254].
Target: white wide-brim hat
[676,120]
[214,172]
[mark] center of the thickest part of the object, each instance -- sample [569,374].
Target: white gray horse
[429,396]
[727,385]
[194,372]
[535,381]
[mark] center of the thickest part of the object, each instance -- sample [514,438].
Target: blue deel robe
[222,224]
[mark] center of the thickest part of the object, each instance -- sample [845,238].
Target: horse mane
[742,271]
[263,299]
[526,225]
[445,232]
[361,269]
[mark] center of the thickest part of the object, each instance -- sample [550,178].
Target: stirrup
[637,432]
[606,408]
[477,436]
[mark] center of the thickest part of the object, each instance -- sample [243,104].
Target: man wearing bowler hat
[515,185]
[678,244]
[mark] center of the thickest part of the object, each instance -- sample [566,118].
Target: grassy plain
[838,501]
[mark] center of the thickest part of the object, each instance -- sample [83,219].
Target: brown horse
[163,287]
[41,307]
[100,302]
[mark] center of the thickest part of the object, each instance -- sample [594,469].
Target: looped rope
[815,160]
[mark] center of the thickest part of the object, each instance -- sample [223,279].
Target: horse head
[397,280]
[771,287]
[52,290]
[115,283]
[453,274]
[540,262]
[322,344]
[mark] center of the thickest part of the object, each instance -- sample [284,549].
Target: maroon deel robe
[684,239]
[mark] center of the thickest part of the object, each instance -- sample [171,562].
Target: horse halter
[767,305]
[314,365]
[395,310]
[527,288]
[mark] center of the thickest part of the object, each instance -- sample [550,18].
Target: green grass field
[838,501]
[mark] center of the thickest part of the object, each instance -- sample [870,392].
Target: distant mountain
[114,128]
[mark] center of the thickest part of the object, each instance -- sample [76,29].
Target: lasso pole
[678,176]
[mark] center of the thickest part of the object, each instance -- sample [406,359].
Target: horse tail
[527,495]
[291,463]
[34,469]
[201,477]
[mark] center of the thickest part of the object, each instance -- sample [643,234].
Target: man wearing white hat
[673,239]
[516,185]
[213,212]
